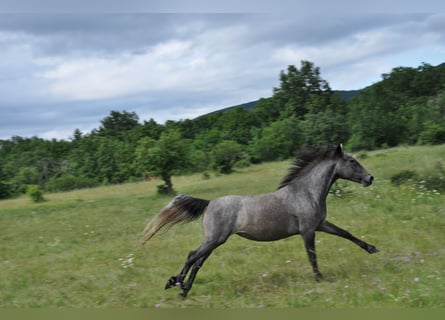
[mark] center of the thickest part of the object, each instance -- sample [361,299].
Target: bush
[278,141]
[5,190]
[433,181]
[434,134]
[403,177]
[69,182]
[339,189]
[35,193]
[356,143]
[164,190]
[362,156]
[225,154]
[436,181]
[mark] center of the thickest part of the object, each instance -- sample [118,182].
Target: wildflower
[416,279]
[127,262]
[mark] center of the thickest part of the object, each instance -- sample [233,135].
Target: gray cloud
[59,72]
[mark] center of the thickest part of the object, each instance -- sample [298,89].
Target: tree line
[406,107]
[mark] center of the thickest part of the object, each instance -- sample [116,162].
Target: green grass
[80,248]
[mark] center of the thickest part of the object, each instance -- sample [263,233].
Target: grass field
[80,248]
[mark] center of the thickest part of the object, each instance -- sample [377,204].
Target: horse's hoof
[319,277]
[372,249]
[171,283]
[183,294]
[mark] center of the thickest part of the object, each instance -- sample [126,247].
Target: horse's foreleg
[337,231]
[309,243]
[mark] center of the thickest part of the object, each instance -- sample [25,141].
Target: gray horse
[297,207]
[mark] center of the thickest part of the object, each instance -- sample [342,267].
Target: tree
[225,155]
[117,124]
[265,111]
[279,140]
[236,125]
[325,127]
[296,88]
[396,109]
[168,155]
[375,121]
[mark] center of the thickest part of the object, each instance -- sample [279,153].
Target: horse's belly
[270,230]
[264,237]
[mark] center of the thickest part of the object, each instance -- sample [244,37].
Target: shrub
[362,156]
[434,134]
[339,189]
[436,181]
[432,181]
[69,182]
[402,177]
[35,193]
[206,176]
[164,190]
[225,155]
[5,190]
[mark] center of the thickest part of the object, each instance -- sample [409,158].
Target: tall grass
[80,248]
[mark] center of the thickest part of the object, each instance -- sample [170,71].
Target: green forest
[406,107]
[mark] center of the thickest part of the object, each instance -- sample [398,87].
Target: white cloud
[210,61]
[79,67]
[93,78]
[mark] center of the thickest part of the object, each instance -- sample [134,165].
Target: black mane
[304,161]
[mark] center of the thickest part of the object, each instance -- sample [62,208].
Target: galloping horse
[297,207]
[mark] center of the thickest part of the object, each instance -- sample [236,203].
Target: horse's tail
[182,208]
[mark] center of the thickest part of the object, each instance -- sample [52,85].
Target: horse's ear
[340,149]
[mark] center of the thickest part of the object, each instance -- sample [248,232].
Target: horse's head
[350,169]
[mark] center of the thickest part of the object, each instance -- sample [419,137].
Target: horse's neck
[318,180]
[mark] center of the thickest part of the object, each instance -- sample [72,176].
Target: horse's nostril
[367,180]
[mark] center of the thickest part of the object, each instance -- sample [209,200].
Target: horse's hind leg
[195,258]
[179,279]
[188,285]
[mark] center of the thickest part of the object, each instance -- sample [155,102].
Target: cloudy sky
[67,65]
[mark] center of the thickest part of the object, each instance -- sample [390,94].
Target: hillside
[405,108]
[345,95]
[79,249]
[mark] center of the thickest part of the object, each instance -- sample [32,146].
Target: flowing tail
[182,208]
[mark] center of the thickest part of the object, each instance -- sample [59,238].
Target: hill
[405,108]
[247,106]
[346,95]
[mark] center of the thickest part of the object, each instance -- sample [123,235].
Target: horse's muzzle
[367,180]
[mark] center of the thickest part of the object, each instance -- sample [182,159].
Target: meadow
[81,248]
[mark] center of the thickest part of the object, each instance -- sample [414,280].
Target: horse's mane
[304,161]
